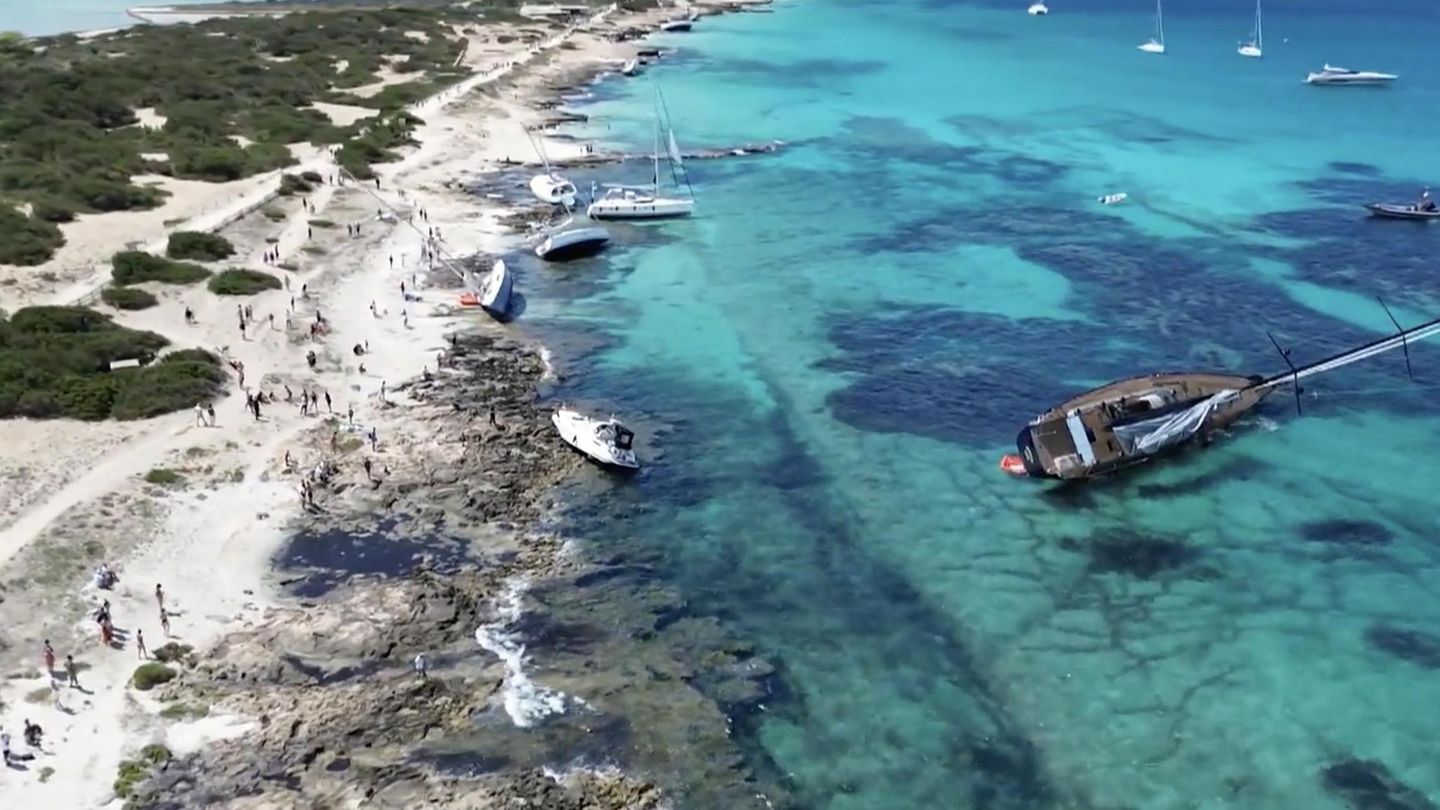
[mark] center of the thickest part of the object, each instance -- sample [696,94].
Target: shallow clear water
[40,17]
[833,354]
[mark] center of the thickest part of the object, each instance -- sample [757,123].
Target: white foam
[545,359]
[524,700]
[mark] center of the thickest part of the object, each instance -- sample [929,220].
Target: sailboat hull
[640,208]
[1250,51]
[1152,47]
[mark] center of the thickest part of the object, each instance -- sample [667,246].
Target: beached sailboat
[549,187]
[562,243]
[1135,420]
[1254,47]
[604,440]
[1157,42]
[645,202]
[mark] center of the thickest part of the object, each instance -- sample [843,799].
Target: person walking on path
[140,644]
[422,665]
[199,415]
[210,412]
[328,407]
[49,658]
[55,691]
[165,622]
[5,746]
[72,672]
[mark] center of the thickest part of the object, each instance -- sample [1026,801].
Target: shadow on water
[315,563]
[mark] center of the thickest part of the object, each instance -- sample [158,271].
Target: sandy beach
[220,499]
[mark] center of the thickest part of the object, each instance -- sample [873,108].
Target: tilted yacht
[604,440]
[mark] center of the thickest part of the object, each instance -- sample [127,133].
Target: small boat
[553,189]
[563,244]
[1341,77]
[630,68]
[1038,9]
[604,440]
[1411,211]
[495,290]
[648,53]
[1157,42]
[1253,47]
[1113,199]
[675,26]
[1134,420]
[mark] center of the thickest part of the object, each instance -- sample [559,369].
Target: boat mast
[656,155]
[1399,340]
[672,148]
[1159,22]
[1259,27]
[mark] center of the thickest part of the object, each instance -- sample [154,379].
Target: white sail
[675,150]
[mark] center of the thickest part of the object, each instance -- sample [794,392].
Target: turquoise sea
[41,17]
[828,361]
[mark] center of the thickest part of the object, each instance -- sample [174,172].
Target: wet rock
[1369,785]
[1135,555]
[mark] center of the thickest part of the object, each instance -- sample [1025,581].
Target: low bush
[272,214]
[321,223]
[171,652]
[198,246]
[294,184]
[136,266]
[239,281]
[164,476]
[55,361]
[150,675]
[184,711]
[313,177]
[28,240]
[128,298]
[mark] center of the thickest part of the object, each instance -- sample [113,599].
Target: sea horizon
[36,18]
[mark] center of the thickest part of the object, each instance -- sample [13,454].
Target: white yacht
[1038,9]
[645,202]
[562,243]
[1157,42]
[553,189]
[1254,48]
[495,290]
[604,440]
[674,26]
[630,68]
[1344,76]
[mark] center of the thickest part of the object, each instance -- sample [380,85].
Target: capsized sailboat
[1135,420]
[1157,42]
[646,202]
[549,187]
[1254,47]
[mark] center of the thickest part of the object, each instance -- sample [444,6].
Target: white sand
[343,115]
[211,542]
[150,119]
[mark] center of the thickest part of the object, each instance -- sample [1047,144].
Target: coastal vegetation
[164,477]
[198,246]
[89,125]
[128,298]
[137,267]
[150,675]
[55,362]
[239,281]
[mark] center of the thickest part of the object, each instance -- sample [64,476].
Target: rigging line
[438,252]
[1354,355]
[669,141]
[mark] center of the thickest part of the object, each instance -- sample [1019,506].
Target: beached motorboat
[1392,211]
[563,244]
[1135,420]
[1344,77]
[645,202]
[604,440]
[496,288]
[1038,10]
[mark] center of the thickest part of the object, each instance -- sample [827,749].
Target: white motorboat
[630,68]
[563,244]
[1038,10]
[553,189]
[645,202]
[1113,199]
[604,440]
[495,290]
[1254,48]
[1339,76]
[1157,42]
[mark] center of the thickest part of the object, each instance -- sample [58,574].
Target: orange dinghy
[1013,464]
[469,299]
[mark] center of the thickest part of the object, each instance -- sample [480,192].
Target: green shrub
[198,246]
[321,223]
[171,652]
[239,281]
[293,184]
[162,476]
[128,298]
[27,240]
[150,675]
[137,266]
[181,711]
[313,177]
[55,361]
[155,753]
[273,214]
[129,774]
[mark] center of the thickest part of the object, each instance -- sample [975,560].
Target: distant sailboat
[1157,42]
[1253,47]
[1038,9]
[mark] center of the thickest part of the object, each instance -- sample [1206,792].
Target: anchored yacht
[604,440]
[1339,76]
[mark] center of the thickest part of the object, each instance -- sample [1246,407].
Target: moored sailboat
[1254,47]
[645,202]
[1156,44]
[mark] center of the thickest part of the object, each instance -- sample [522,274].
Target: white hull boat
[1038,10]
[627,203]
[1344,77]
[677,26]
[1157,42]
[1255,47]
[604,440]
[552,188]
[495,290]
[630,68]
[573,243]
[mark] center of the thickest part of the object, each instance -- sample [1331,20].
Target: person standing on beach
[165,622]
[422,666]
[210,412]
[367,464]
[55,692]
[49,654]
[140,644]
[5,746]
[328,407]
[350,414]
[199,415]
[72,671]
[159,596]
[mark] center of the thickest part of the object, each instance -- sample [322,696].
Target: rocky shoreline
[639,696]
